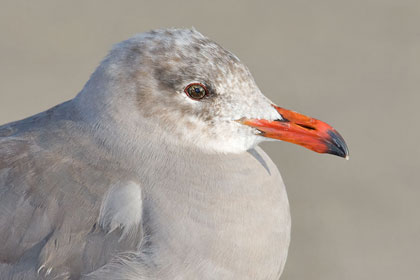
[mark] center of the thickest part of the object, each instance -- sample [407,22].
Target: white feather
[121,208]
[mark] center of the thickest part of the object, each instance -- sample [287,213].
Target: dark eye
[196,91]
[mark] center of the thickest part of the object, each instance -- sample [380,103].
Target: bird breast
[231,220]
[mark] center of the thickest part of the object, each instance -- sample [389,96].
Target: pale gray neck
[205,210]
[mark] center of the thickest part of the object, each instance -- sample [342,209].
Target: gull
[152,171]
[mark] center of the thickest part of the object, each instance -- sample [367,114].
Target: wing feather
[53,185]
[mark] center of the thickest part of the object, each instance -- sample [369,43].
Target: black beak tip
[336,145]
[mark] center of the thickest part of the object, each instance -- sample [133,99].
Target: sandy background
[354,64]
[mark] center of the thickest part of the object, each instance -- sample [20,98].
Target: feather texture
[133,180]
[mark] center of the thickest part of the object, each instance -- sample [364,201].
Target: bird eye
[196,91]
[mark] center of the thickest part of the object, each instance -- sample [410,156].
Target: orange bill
[305,131]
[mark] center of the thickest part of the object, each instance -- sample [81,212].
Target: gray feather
[134,180]
[50,198]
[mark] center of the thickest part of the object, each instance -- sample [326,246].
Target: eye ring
[196,91]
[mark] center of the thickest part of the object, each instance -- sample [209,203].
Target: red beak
[305,131]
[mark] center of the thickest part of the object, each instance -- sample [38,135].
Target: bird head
[199,95]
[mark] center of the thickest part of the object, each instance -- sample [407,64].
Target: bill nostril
[306,126]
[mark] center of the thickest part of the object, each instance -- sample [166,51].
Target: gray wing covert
[62,214]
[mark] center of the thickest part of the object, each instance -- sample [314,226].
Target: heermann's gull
[152,171]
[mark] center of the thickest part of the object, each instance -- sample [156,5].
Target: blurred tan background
[354,64]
